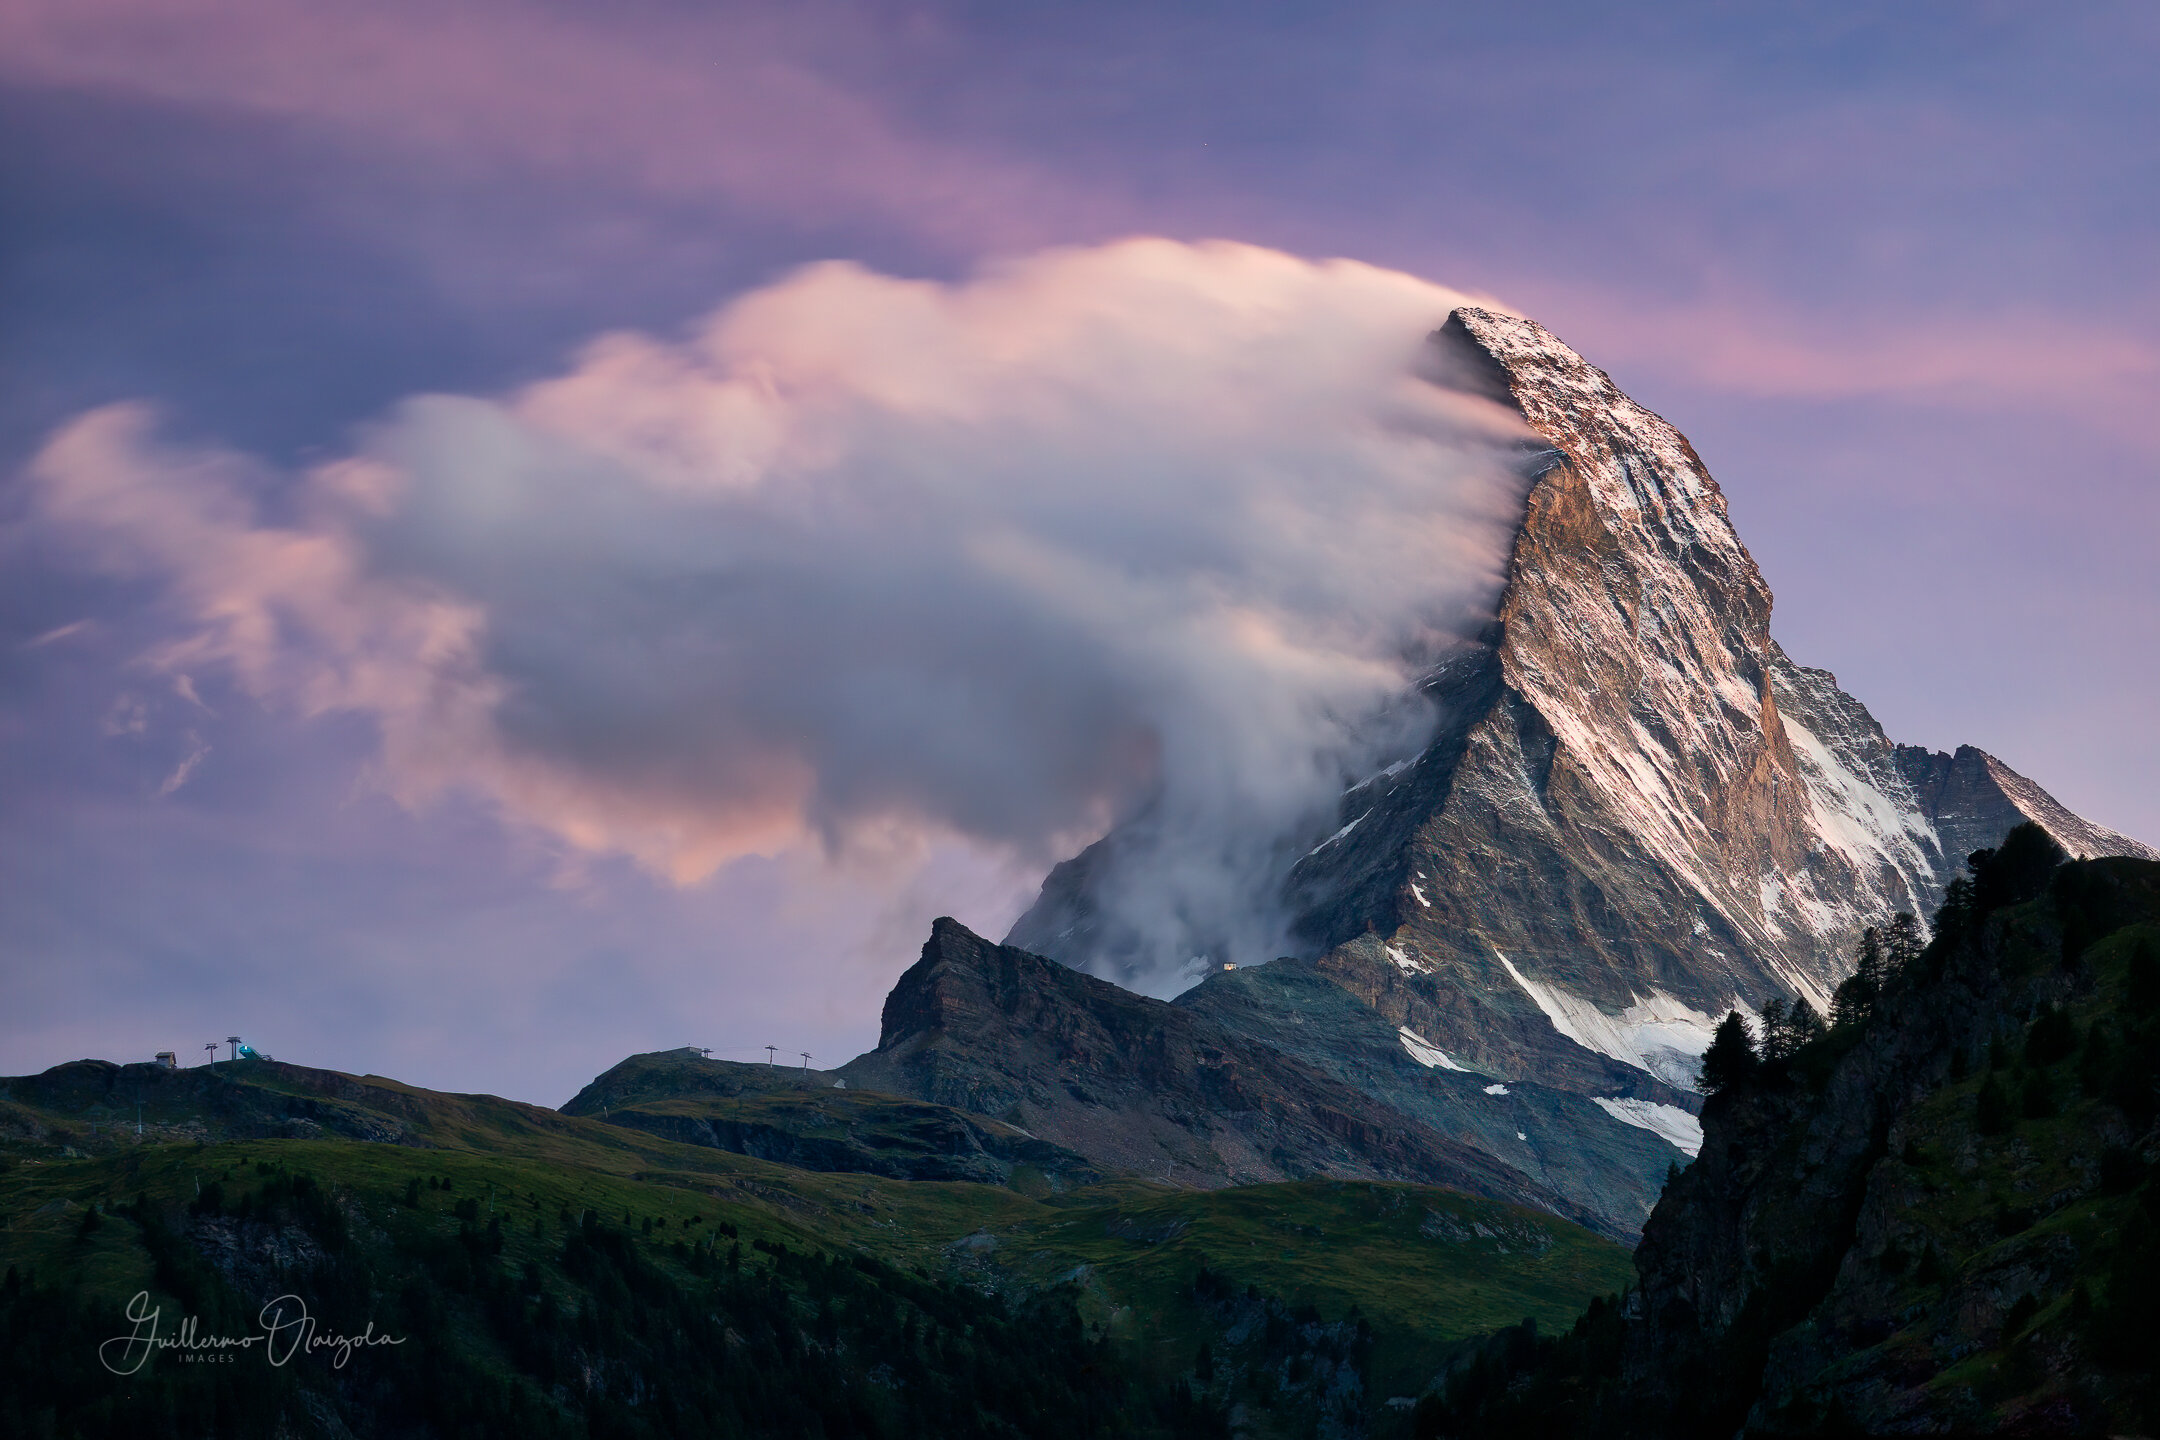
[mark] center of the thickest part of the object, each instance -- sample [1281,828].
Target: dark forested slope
[1937,1217]
[550,1274]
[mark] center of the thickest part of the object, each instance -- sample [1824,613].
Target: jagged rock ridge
[1264,1074]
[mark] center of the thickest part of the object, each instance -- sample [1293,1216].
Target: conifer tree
[2016,870]
[1731,1059]
[1788,1026]
[1856,995]
[1901,942]
[1776,1029]
[1805,1022]
[1849,1006]
[2037,1097]
[1955,914]
[1868,965]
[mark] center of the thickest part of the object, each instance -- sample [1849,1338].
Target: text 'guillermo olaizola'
[287,1330]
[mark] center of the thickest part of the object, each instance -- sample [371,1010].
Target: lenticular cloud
[1149,526]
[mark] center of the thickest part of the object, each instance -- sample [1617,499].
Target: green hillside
[803,1118]
[564,1275]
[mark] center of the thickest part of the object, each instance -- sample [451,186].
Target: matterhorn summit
[1636,814]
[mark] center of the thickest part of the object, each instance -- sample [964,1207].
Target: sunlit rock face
[1639,812]
[1636,812]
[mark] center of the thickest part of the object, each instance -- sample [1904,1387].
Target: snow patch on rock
[1337,835]
[1425,1052]
[1658,1033]
[1388,774]
[1405,964]
[1871,820]
[1668,1122]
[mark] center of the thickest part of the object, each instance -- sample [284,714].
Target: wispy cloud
[198,751]
[1758,346]
[686,103]
[58,633]
[866,562]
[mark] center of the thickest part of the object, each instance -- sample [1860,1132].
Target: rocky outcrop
[1641,812]
[1276,1073]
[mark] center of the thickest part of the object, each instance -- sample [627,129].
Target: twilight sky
[368,682]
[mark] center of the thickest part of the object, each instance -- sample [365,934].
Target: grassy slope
[1412,1259]
[1425,1266]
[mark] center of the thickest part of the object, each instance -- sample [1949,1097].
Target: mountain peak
[1638,794]
[1635,812]
[1638,470]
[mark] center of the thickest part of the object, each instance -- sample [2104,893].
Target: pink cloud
[2018,357]
[729,105]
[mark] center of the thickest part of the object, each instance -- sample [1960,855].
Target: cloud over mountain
[1096,530]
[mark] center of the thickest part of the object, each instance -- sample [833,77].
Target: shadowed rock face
[1790,1262]
[1973,799]
[1271,1074]
[1636,811]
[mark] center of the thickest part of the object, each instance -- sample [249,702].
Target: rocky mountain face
[1256,1075]
[1636,811]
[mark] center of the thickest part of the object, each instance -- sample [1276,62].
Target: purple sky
[1892,275]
